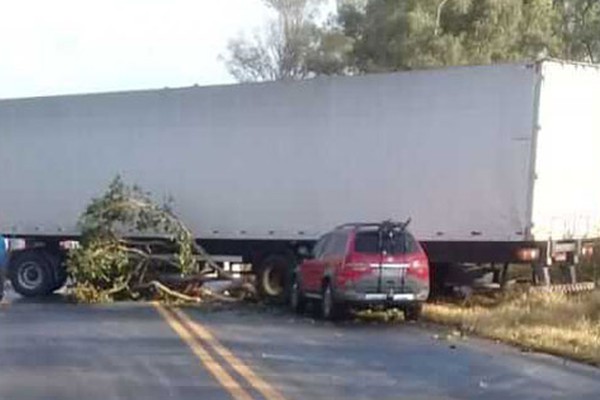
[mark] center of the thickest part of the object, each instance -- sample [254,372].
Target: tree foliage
[282,49]
[407,34]
[580,29]
[390,35]
[110,265]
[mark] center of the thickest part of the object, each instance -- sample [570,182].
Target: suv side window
[336,247]
[318,250]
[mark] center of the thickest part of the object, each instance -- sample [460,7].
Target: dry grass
[556,323]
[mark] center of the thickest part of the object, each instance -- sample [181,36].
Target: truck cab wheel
[29,274]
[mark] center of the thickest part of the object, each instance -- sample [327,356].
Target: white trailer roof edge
[235,85]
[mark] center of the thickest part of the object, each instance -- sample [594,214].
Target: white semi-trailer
[488,161]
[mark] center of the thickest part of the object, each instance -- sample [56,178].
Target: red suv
[363,265]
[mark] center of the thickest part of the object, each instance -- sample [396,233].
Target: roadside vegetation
[557,323]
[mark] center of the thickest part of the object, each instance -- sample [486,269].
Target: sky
[83,46]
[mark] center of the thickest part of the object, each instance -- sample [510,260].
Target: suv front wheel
[297,300]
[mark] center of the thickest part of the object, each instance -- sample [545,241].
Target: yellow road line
[205,358]
[256,381]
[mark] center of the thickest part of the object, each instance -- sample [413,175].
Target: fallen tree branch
[148,256]
[170,292]
[108,265]
[118,289]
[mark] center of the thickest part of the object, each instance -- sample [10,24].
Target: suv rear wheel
[413,312]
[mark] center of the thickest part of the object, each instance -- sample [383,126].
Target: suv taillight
[419,269]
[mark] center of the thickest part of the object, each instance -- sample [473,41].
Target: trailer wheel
[273,277]
[30,274]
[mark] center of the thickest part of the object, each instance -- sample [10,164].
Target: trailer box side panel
[449,148]
[566,201]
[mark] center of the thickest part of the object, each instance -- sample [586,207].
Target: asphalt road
[53,350]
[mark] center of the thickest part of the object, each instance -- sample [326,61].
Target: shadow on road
[11,297]
[55,298]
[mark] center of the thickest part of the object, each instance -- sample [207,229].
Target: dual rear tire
[273,282]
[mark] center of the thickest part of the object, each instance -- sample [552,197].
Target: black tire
[330,309]
[438,273]
[297,299]
[413,312]
[58,272]
[60,279]
[30,274]
[273,278]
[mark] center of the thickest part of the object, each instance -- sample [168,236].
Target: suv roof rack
[384,224]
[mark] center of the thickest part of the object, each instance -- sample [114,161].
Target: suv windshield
[398,243]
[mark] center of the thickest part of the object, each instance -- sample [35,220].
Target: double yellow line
[200,339]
